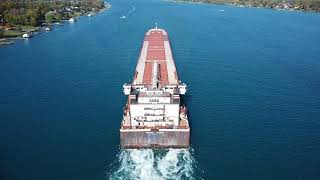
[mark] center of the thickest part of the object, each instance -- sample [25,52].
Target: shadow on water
[154,164]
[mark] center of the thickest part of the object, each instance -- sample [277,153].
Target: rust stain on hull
[160,139]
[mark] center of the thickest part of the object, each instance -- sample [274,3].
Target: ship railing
[154,127]
[126,110]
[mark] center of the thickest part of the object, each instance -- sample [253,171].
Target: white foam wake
[148,164]
[133,8]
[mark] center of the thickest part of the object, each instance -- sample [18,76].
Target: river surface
[253,99]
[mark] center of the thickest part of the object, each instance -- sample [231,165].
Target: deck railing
[154,127]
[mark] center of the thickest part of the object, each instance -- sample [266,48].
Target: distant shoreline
[284,6]
[34,30]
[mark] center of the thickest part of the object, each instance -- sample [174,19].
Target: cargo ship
[154,115]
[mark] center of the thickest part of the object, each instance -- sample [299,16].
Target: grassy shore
[19,30]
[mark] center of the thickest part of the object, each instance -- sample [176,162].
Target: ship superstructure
[154,115]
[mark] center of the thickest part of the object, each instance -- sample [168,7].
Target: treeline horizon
[36,12]
[308,5]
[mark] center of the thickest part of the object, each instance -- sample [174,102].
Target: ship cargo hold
[154,115]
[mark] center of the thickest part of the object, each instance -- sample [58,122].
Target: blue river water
[253,99]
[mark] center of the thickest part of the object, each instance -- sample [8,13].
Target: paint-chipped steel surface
[173,139]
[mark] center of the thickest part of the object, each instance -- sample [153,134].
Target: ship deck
[156,49]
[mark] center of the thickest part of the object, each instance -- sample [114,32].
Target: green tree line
[34,12]
[313,5]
